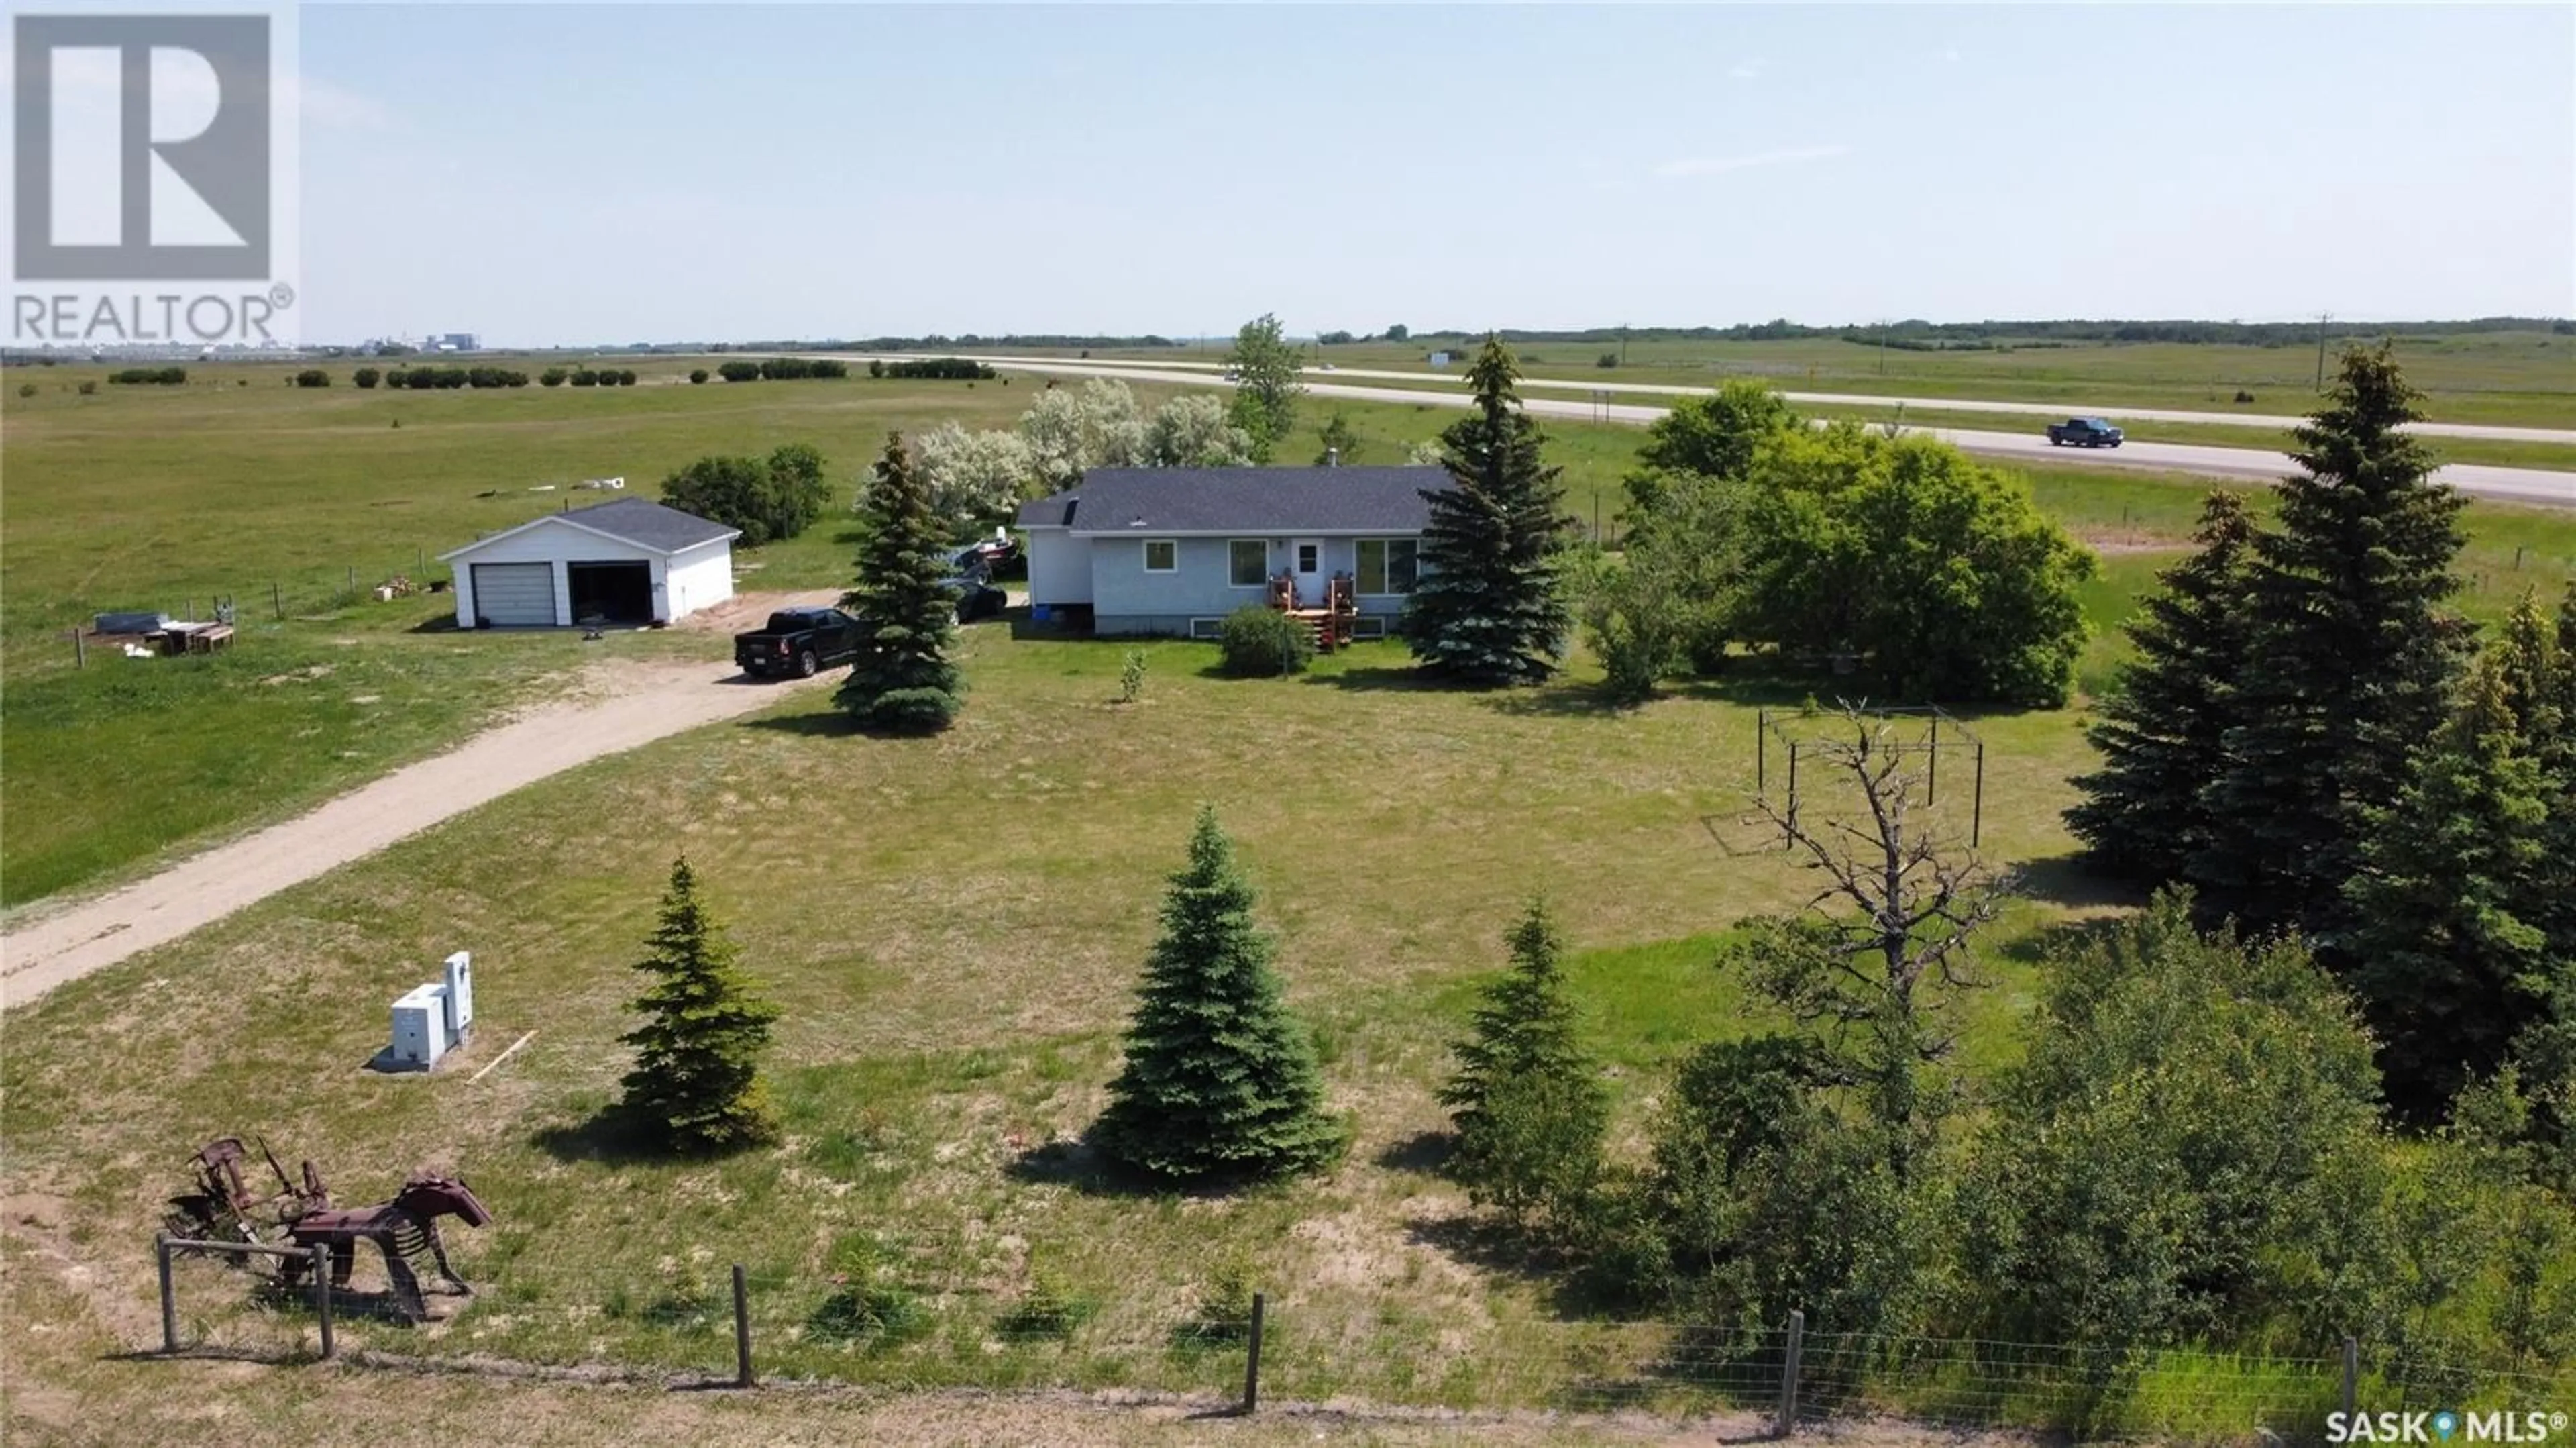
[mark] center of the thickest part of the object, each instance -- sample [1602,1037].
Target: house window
[1247,562]
[1207,628]
[1386,565]
[1162,555]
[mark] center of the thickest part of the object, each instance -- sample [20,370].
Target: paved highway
[2490,433]
[2526,485]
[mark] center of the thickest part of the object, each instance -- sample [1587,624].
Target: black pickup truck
[2083,432]
[798,641]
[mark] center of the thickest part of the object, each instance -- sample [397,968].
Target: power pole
[2322,319]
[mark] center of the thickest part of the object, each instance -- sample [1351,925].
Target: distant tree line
[783,369]
[150,377]
[936,342]
[1898,334]
[934,369]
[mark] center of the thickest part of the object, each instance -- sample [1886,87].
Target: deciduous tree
[1266,384]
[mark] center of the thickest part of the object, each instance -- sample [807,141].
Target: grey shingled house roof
[1241,500]
[648,524]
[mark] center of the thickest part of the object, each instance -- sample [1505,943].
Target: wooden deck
[1333,624]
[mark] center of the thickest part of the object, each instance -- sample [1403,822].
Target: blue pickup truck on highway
[2083,432]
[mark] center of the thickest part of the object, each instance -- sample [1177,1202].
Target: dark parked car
[2083,432]
[798,641]
[977,598]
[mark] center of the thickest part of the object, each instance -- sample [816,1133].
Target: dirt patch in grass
[745,612]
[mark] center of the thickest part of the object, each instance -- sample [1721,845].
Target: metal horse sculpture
[401,1229]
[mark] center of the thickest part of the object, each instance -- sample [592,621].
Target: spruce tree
[2447,955]
[1489,608]
[696,1083]
[2350,662]
[1220,1082]
[2161,731]
[1527,1100]
[903,681]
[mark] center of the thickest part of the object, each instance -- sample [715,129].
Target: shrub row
[783,369]
[150,377]
[424,379]
[934,369]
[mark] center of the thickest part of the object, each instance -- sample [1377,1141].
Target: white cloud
[1713,165]
[1746,69]
[1951,55]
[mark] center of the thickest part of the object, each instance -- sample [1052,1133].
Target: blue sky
[607,173]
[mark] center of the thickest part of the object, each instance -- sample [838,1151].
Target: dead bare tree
[1878,956]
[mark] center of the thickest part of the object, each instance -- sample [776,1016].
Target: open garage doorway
[611,593]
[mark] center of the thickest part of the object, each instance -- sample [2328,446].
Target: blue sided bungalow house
[1172,551]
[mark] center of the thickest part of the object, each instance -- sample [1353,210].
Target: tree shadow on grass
[1425,1152]
[613,1136]
[824,724]
[2056,941]
[1080,1164]
[2066,880]
[1498,1249]
[1559,701]
[1380,678]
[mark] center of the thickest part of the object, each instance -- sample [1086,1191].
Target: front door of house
[1306,561]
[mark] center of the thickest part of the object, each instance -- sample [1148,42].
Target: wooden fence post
[2351,1378]
[743,1377]
[1252,1361]
[276,604]
[169,1299]
[1977,813]
[80,651]
[1787,1423]
[1932,769]
[322,1297]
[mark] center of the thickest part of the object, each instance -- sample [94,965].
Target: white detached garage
[626,562]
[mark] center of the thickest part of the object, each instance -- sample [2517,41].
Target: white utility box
[460,997]
[420,1028]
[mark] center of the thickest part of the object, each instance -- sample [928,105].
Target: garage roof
[639,521]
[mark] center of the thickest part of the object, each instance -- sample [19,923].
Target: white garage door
[519,595]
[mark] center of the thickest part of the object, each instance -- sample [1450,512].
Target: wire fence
[710,1322]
